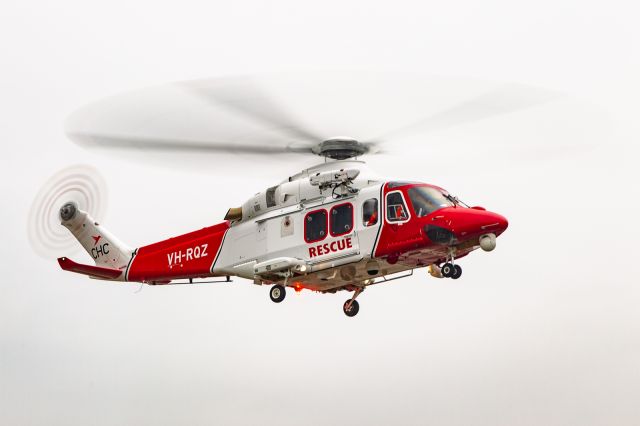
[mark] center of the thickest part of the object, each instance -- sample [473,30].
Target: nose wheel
[457,272]
[450,270]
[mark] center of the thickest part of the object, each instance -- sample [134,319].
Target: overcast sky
[543,330]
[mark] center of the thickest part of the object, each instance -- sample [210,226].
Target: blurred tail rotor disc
[81,184]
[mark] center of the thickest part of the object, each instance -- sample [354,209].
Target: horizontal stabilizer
[93,271]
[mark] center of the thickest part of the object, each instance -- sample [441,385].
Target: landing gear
[277,293]
[351,308]
[457,272]
[448,270]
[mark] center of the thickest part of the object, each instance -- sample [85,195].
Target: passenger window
[315,226]
[341,219]
[370,212]
[396,208]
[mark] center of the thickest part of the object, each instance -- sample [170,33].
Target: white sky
[544,330]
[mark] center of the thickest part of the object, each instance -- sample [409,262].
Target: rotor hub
[68,211]
[341,148]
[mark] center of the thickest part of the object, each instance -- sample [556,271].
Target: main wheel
[447,270]
[353,309]
[277,293]
[457,272]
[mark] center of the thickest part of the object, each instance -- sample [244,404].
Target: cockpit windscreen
[426,200]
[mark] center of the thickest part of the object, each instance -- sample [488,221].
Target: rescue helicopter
[337,226]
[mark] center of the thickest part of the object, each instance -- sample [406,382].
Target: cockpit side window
[396,207]
[426,200]
[370,212]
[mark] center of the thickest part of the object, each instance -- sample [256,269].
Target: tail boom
[191,255]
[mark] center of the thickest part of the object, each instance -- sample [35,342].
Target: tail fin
[105,249]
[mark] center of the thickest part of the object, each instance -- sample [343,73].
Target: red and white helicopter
[333,227]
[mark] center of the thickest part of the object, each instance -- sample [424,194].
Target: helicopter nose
[494,222]
[454,223]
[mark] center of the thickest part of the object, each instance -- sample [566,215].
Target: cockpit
[423,200]
[427,199]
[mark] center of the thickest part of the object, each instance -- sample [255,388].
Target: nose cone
[495,223]
[472,222]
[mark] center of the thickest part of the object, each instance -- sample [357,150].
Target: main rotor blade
[505,99]
[244,96]
[175,145]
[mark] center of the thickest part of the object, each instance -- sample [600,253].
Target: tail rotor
[72,188]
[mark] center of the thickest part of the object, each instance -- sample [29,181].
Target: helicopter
[337,226]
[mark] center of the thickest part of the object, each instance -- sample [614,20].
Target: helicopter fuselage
[325,229]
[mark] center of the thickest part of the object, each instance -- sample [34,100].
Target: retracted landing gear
[351,306]
[277,293]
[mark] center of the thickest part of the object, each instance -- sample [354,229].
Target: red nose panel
[433,233]
[465,223]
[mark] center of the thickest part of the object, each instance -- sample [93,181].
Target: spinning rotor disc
[288,114]
[81,184]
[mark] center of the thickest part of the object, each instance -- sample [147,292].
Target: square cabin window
[396,207]
[370,212]
[341,218]
[315,226]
